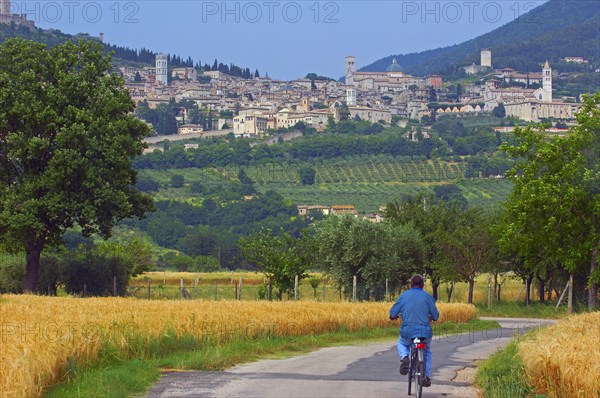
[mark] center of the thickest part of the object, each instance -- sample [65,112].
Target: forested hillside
[122,55]
[551,31]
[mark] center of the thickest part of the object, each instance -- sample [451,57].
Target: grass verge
[115,375]
[520,310]
[502,375]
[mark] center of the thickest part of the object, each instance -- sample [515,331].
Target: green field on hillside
[357,169]
[351,169]
[367,182]
[369,197]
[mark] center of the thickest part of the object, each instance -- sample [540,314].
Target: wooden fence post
[115,286]
[149,289]
[387,290]
[562,296]
[570,297]
[296,288]
[489,292]
[270,290]
[354,286]
[520,292]
[181,288]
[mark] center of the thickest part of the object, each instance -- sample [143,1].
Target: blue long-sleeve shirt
[415,306]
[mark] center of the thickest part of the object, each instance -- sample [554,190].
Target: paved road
[369,370]
[178,137]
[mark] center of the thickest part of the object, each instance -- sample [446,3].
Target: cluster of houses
[530,100]
[262,103]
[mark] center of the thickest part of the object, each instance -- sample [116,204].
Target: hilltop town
[215,99]
[251,106]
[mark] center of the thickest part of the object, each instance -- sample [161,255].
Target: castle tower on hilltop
[5,7]
[350,69]
[161,69]
[7,16]
[547,81]
[486,57]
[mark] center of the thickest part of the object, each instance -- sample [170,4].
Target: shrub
[177,181]
[91,273]
[147,184]
[12,273]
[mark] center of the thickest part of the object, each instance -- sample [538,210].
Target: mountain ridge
[551,20]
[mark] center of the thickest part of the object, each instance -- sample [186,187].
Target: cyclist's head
[417,281]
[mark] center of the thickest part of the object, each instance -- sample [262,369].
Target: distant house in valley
[305,210]
[189,129]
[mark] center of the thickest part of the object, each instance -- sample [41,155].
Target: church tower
[305,105]
[161,69]
[547,81]
[350,69]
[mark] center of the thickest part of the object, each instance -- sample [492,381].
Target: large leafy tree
[373,252]
[555,204]
[277,255]
[67,139]
[430,217]
[467,244]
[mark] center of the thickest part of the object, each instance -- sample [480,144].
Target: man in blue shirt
[416,308]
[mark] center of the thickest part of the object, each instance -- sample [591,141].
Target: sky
[286,39]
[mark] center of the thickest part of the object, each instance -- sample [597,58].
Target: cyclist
[417,309]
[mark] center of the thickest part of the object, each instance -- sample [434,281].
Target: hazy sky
[287,39]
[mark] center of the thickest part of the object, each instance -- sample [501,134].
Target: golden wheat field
[166,285]
[40,335]
[174,278]
[563,361]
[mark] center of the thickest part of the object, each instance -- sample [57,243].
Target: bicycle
[416,372]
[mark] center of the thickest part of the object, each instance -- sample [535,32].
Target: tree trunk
[471,287]
[593,290]
[451,291]
[435,285]
[542,289]
[499,289]
[33,251]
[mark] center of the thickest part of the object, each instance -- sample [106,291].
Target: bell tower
[350,69]
[547,81]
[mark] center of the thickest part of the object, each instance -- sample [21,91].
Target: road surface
[155,142]
[369,370]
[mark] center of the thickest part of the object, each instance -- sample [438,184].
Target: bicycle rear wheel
[410,379]
[420,377]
